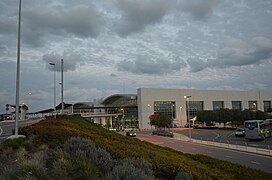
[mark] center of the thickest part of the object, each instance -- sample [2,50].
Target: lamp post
[18,70]
[180,117]
[62,104]
[173,105]
[150,115]
[53,64]
[188,112]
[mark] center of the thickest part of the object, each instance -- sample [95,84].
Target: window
[267,106]
[194,107]
[167,107]
[218,105]
[237,105]
[252,105]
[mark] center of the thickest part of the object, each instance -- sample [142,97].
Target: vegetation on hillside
[166,163]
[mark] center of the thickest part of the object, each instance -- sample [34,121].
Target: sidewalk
[261,151]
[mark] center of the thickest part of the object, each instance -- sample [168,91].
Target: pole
[55,110]
[54,79]
[18,71]
[149,105]
[62,104]
[188,116]
[173,118]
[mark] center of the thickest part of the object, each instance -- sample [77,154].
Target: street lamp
[62,104]
[150,108]
[180,111]
[18,70]
[53,64]
[188,112]
[173,105]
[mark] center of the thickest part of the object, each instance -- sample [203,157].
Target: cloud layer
[117,46]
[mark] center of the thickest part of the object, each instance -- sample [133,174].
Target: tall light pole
[173,105]
[150,108]
[62,104]
[53,64]
[18,70]
[188,112]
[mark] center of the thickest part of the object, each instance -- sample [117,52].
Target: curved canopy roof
[113,98]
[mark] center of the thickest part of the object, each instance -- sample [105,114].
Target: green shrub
[16,144]
[104,161]
[82,147]
[73,167]
[125,169]
[184,176]
[25,167]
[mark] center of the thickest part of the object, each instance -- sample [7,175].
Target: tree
[160,120]
[164,120]
[154,120]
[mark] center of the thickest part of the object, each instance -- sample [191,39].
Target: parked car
[131,133]
[240,132]
[187,125]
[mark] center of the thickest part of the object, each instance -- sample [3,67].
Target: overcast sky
[117,46]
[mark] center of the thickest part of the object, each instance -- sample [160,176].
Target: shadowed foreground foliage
[166,163]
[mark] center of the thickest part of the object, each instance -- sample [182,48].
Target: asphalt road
[224,136]
[263,163]
[7,127]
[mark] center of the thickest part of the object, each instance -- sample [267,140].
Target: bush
[184,176]
[125,169]
[16,144]
[104,161]
[24,167]
[73,167]
[82,147]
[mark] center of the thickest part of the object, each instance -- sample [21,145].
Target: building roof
[111,99]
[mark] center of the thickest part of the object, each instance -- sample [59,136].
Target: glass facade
[252,105]
[166,107]
[194,107]
[267,106]
[236,105]
[218,105]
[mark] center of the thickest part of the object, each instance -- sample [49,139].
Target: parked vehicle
[256,129]
[131,133]
[240,132]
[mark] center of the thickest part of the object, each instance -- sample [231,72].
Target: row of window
[168,107]
[252,105]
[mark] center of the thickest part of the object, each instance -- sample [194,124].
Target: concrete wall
[149,95]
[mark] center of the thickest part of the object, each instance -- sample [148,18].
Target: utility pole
[62,104]
[18,70]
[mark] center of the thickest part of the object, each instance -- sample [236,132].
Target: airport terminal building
[179,103]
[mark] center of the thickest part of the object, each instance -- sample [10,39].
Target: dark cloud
[137,14]
[142,65]
[70,61]
[235,52]
[82,21]
[199,9]
[113,75]
[196,64]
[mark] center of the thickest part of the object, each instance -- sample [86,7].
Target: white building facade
[174,103]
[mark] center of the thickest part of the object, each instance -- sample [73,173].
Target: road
[224,136]
[247,159]
[7,127]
